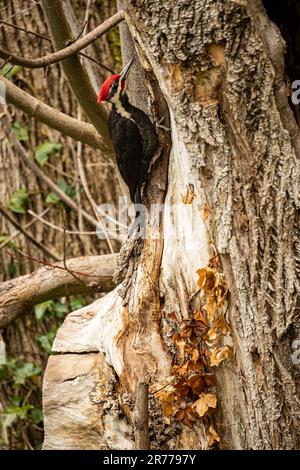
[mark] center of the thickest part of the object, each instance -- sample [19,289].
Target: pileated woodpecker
[132,134]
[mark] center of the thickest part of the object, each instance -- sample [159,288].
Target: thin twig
[41,175]
[67,51]
[47,264]
[76,158]
[33,221]
[27,234]
[46,38]
[61,172]
[65,250]
[90,197]
[55,227]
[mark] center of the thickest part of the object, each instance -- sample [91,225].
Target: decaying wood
[19,295]
[98,423]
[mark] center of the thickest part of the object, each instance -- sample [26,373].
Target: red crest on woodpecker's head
[103,95]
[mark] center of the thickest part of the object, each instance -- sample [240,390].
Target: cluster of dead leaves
[190,394]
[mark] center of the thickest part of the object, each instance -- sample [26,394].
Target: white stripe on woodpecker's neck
[116,100]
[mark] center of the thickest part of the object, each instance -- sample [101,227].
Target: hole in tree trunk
[286,15]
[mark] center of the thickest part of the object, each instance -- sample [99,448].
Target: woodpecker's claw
[160,126]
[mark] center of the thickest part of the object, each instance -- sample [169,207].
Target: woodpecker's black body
[135,142]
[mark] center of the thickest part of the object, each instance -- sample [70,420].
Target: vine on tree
[191,392]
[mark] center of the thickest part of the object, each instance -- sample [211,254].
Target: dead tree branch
[19,295]
[141,426]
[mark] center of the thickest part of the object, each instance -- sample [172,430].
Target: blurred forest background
[28,340]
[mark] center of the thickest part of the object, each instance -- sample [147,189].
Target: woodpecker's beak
[126,69]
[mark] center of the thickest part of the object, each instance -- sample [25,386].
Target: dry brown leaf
[199,316]
[212,436]
[212,334]
[205,401]
[195,355]
[218,355]
[186,416]
[181,345]
[181,387]
[211,308]
[168,402]
[202,277]
[210,380]
[180,370]
[196,382]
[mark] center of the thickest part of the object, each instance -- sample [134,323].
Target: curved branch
[67,51]
[35,108]
[19,295]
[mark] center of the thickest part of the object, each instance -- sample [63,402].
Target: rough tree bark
[233,178]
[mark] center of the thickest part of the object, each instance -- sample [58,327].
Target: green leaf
[45,149]
[18,201]
[36,415]
[70,191]
[66,188]
[52,198]
[4,237]
[12,412]
[59,309]
[26,371]
[7,419]
[20,131]
[41,309]
[77,303]
[45,341]
[12,270]
[10,71]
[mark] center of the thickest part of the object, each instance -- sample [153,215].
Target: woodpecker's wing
[127,141]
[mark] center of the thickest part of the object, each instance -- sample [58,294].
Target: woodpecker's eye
[113,89]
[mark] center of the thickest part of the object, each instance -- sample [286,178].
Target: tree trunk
[232,214]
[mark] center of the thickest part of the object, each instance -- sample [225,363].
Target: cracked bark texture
[234,142]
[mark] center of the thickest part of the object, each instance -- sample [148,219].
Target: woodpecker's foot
[160,126]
